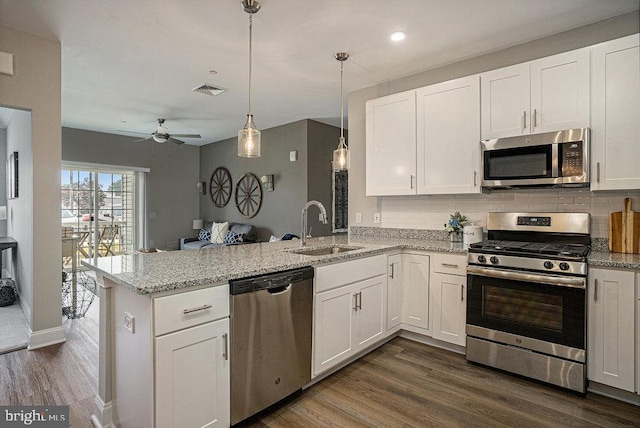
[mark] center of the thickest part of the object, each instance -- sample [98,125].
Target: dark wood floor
[401,384]
[405,384]
[65,374]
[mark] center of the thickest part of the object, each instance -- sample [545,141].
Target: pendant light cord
[250,55]
[341,102]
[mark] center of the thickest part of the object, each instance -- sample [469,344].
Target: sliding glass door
[98,206]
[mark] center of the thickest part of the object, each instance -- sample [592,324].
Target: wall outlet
[293,155]
[376,218]
[129,322]
[358,217]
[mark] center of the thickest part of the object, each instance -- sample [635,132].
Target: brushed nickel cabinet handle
[535,118]
[595,290]
[392,270]
[475,178]
[462,292]
[360,300]
[598,172]
[225,352]
[411,181]
[200,308]
[524,119]
[451,265]
[355,302]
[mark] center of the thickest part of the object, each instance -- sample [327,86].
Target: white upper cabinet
[615,115]
[391,145]
[549,94]
[505,102]
[448,135]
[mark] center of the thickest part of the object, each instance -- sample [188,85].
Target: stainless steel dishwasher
[270,339]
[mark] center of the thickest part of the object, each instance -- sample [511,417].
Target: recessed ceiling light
[397,36]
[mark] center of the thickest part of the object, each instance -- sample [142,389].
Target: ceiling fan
[161,135]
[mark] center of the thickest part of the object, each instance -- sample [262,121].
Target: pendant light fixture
[249,135]
[341,155]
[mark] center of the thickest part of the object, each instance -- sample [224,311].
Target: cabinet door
[448,133]
[448,293]
[415,296]
[611,332]
[192,377]
[333,328]
[615,111]
[560,92]
[505,95]
[391,145]
[369,318]
[394,291]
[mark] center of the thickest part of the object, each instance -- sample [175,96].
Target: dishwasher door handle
[281,290]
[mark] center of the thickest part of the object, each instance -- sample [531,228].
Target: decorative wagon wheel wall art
[248,195]
[220,187]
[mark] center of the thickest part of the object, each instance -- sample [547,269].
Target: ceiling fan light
[249,140]
[160,138]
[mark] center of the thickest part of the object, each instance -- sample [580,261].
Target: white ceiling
[127,62]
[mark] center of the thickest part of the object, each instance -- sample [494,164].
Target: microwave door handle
[562,281]
[554,161]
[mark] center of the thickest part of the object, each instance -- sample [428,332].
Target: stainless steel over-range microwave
[551,159]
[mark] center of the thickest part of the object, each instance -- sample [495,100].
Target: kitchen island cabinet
[615,126]
[349,312]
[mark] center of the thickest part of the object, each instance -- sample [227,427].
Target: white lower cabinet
[350,317]
[448,298]
[611,330]
[415,291]
[394,292]
[192,377]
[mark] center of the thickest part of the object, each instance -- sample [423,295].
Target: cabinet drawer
[179,311]
[449,263]
[348,272]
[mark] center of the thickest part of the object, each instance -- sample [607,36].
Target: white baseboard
[615,393]
[48,337]
[104,417]
[26,309]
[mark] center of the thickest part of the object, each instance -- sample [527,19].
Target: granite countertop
[614,260]
[147,273]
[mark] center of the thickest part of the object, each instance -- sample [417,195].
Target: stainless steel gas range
[526,296]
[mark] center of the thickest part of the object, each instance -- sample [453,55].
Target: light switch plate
[293,155]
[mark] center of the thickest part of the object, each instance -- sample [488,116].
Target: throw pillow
[218,232]
[204,235]
[232,238]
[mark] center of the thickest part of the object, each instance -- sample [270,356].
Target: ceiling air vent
[209,89]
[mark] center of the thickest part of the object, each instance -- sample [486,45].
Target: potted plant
[454,226]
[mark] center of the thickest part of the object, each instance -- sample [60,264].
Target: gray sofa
[247,232]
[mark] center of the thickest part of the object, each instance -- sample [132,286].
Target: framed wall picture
[12,176]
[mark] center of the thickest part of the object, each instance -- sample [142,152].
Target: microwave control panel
[572,159]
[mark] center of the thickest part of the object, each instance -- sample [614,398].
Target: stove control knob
[564,266]
[482,259]
[494,260]
[548,265]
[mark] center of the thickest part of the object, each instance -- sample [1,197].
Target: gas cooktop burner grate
[576,250]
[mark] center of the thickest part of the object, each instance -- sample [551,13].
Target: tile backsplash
[431,212]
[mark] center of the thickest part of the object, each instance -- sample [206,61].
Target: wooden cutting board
[624,230]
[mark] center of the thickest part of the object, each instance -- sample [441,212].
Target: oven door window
[545,312]
[518,163]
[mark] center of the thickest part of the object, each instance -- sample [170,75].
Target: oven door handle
[562,281]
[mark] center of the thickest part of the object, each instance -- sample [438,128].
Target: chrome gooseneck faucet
[304,219]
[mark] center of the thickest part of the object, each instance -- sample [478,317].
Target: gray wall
[404,206]
[171,183]
[295,182]
[36,86]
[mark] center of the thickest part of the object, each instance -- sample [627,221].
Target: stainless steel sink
[324,250]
